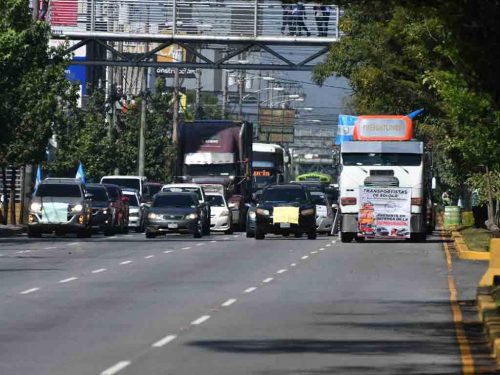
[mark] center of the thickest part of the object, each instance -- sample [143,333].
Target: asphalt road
[231,305]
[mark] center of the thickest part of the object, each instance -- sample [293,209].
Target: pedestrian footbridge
[148,26]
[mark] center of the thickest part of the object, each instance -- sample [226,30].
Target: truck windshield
[386,159]
[173,200]
[131,183]
[210,170]
[59,190]
[264,159]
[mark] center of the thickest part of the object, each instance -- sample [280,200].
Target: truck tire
[346,237]
[418,237]
[198,233]
[311,235]
[259,235]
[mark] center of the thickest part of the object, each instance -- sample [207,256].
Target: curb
[489,314]
[464,252]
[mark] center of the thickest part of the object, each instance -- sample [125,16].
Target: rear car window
[132,199]
[184,189]
[98,194]
[59,190]
[174,200]
[113,193]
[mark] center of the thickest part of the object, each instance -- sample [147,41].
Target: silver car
[324,213]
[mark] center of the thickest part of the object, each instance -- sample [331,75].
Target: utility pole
[198,95]
[142,129]
[35,7]
[175,115]
[241,82]
[224,94]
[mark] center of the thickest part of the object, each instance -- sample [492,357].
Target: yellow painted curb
[485,303]
[465,253]
[494,266]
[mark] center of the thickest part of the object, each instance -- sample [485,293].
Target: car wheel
[150,235]
[34,233]
[199,231]
[259,235]
[312,235]
[346,237]
[206,228]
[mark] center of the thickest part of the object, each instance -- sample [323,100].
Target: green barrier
[467,219]
[452,217]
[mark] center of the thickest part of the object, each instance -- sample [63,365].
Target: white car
[135,211]
[324,213]
[220,218]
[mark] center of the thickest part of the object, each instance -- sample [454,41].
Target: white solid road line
[281,271]
[126,262]
[229,302]
[149,256]
[168,251]
[250,290]
[200,320]
[28,291]
[186,248]
[115,368]
[305,257]
[99,270]
[164,341]
[68,280]
[268,280]
[293,264]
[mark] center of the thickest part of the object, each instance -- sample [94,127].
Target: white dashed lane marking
[99,270]
[200,320]
[28,291]
[168,251]
[229,302]
[293,264]
[126,262]
[305,257]
[73,243]
[328,245]
[50,248]
[281,271]
[250,290]
[200,244]
[115,368]
[68,280]
[268,280]
[164,341]
[149,256]
[213,241]
[186,248]
[314,252]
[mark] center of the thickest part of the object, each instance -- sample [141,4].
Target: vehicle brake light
[417,201]
[348,201]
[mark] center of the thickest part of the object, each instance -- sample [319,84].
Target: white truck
[383,182]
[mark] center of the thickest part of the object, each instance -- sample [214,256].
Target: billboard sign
[384,212]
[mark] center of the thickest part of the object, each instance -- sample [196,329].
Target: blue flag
[38,178]
[415,113]
[80,173]
[345,129]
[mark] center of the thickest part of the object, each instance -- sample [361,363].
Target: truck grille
[382,181]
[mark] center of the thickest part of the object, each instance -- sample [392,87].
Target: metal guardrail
[204,19]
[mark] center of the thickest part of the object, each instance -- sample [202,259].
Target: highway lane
[224,305]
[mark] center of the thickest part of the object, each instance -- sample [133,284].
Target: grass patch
[477,239]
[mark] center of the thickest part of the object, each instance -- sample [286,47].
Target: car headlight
[224,213]
[307,212]
[77,208]
[192,216]
[251,214]
[152,215]
[36,206]
[261,211]
[104,211]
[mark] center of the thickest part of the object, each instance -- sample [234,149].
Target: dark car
[285,209]
[174,212]
[61,205]
[102,211]
[151,189]
[119,204]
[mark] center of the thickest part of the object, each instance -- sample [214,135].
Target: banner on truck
[384,212]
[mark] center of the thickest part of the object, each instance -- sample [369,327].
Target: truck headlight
[36,206]
[192,216]
[77,208]
[152,216]
[307,212]
[261,211]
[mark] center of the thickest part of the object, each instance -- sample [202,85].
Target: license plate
[284,225]
[172,226]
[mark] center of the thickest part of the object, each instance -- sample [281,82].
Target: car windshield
[131,183]
[387,159]
[318,199]
[98,194]
[284,195]
[132,200]
[216,201]
[183,189]
[59,190]
[174,200]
